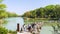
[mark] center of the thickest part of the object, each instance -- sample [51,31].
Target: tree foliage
[50,11]
[3,30]
[2,6]
[1,1]
[4,13]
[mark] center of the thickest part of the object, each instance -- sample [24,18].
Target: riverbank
[13,21]
[2,21]
[4,29]
[45,20]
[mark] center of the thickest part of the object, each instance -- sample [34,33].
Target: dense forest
[4,13]
[50,11]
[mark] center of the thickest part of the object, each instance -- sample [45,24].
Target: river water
[47,30]
[12,25]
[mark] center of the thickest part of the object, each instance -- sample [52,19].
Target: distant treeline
[50,11]
[4,14]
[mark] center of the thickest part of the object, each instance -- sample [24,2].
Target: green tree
[1,1]
[2,6]
[4,13]
[50,11]
[33,14]
[38,13]
[2,10]
[3,30]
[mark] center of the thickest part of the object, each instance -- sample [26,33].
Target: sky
[22,6]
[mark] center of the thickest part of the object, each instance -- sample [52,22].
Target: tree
[2,10]
[50,11]
[3,30]
[33,14]
[2,6]
[38,13]
[4,13]
[27,14]
[1,1]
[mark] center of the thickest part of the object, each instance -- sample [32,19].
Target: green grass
[46,21]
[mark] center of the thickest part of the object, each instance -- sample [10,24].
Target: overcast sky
[21,6]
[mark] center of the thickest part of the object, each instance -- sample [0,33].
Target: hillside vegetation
[50,11]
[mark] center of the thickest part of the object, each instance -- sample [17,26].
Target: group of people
[33,28]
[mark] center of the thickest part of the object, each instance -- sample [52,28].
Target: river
[12,25]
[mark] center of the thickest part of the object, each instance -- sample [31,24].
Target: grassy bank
[2,21]
[3,30]
[45,20]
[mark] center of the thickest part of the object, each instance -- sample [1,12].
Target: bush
[3,30]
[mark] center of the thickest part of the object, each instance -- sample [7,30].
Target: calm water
[12,23]
[47,30]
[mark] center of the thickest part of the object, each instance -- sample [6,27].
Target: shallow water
[12,23]
[47,30]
